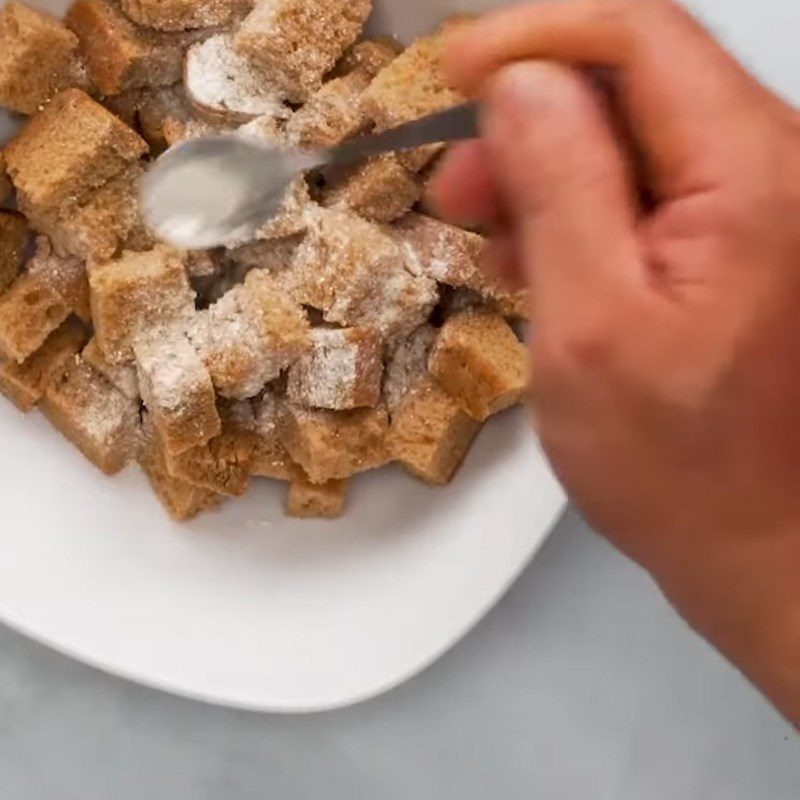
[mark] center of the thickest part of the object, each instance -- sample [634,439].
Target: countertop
[581,685]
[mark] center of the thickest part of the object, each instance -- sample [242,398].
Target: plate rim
[222,699]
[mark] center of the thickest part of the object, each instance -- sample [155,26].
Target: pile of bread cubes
[355,330]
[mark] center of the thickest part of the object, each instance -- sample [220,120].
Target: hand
[666,345]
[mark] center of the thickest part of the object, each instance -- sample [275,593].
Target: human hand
[666,344]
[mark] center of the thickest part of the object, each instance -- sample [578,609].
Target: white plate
[244,607]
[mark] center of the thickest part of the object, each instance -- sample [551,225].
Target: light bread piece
[478,360]
[181,499]
[39,301]
[38,58]
[121,55]
[25,384]
[298,41]
[180,15]
[71,148]
[332,445]
[307,500]
[100,421]
[135,292]
[224,86]
[343,370]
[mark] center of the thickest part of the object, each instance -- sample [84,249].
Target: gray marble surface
[580,685]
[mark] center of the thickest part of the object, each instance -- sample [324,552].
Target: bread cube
[369,56]
[5,183]
[249,335]
[125,106]
[136,292]
[38,58]
[354,272]
[273,255]
[412,85]
[306,500]
[176,389]
[381,189]
[179,129]
[226,87]
[513,305]
[331,445]
[479,361]
[24,384]
[223,464]
[292,218]
[343,370]
[298,41]
[69,149]
[155,107]
[270,457]
[14,238]
[39,301]
[100,224]
[100,421]
[407,364]
[179,15]
[447,254]
[122,55]
[183,500]
[122,377]
[332,114]
[431,433]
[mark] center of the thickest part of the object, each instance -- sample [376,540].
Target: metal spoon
[214,191]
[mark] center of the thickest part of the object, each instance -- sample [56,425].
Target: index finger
[682,93]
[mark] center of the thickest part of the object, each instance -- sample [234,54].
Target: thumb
[563,182]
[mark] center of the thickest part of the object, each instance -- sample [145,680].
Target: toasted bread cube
[369,56]
[183,500]
[155,107]
[224,86]
[176,389]
[223,464]
[24,384]
[179,129]
[298,41]
[292,217]
[39,301]
[179,15]
[381,189]
[412,85]
[5,183]
[270,457]
[273,255]
[353,271]
[125,105]
[332,114]
[331,445]
[513,305]
[69,149]
[249,335]
[14,237]
[306,500]
[343,370]
[103,222]
[38,58]
[122,377]
[407,364]
[135,292]
[479,361]
[100,421]
[447,254]
[431,433]
[122,55]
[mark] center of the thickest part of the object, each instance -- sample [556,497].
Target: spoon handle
[459,122]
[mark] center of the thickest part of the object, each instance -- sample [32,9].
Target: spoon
[219,190]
